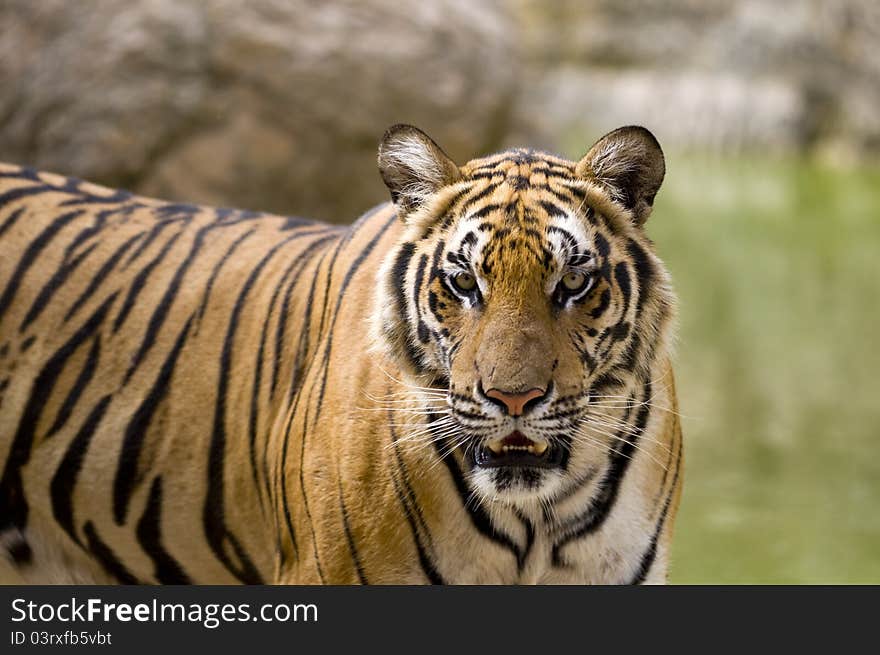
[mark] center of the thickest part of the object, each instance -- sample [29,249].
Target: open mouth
[516,450]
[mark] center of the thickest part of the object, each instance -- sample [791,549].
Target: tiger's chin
[524,487]
[516,473]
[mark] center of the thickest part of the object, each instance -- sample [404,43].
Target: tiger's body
[203,395]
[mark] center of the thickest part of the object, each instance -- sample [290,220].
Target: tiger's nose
[515,403]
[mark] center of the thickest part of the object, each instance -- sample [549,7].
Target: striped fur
[203,395]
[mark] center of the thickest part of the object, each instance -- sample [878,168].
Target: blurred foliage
[776,266]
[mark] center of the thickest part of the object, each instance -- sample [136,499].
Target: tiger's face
[525,292]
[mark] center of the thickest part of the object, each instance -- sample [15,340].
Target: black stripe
[64,480]
[651,553]
[412,511]
[20,551]
[102,273]
[285,505]
[30,255]
[469,200]
[253,421]
[604,301]
[530,540]
[352,549]
[621,274]
[133,440]
[603,381]
[421,328]
[179,210]
[152,235]
[11,220]
[296,267]
[301,261]
[281,325]
[478,515]
[398,283]
[485,210]
[325,305]
[618,463]
[398,278]
[216,531]
[567,237]
[297,375]
[106,556]
[355,265]
[79,385]
[436,271]
[20,172]
[305,331]
[676,430]
[58,278]
[83,197]
[302,480]
[162,309]
[160,313]
[563,194]
[552,209]
[216,271]
[575,485]
[137,285]
[215,528]
[13,504]
[22,192]
[630,356]
[149,533]
[100,219]
[425,562]
[486,174]
[292,271]
[644,271]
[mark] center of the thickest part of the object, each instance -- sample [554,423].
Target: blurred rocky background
[784,75]
[268,104]
[279,104]
[769,218]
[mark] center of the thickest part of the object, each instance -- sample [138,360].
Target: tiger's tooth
[539,448]
[495,447]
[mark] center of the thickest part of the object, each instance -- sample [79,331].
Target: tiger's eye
[464,281]
[574,281]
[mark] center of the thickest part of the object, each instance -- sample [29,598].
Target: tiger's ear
[629,164]
[413,166]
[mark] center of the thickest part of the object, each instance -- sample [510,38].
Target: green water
[777,266]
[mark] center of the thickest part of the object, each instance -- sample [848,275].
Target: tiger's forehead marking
[521,225]
[503,161]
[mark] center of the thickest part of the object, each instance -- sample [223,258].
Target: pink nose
[515,402]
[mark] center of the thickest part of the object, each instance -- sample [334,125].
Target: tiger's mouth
[516,450]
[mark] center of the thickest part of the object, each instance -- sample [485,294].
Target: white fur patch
[407,152]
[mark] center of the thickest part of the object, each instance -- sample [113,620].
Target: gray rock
[271,104]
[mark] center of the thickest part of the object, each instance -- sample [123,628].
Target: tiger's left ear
[628,163]
[413,166]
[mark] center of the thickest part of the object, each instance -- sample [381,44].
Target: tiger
[471,384]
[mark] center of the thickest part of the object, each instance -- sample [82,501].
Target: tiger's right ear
[413,166]
[629,164]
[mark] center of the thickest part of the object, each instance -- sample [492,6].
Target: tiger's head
[523,292]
